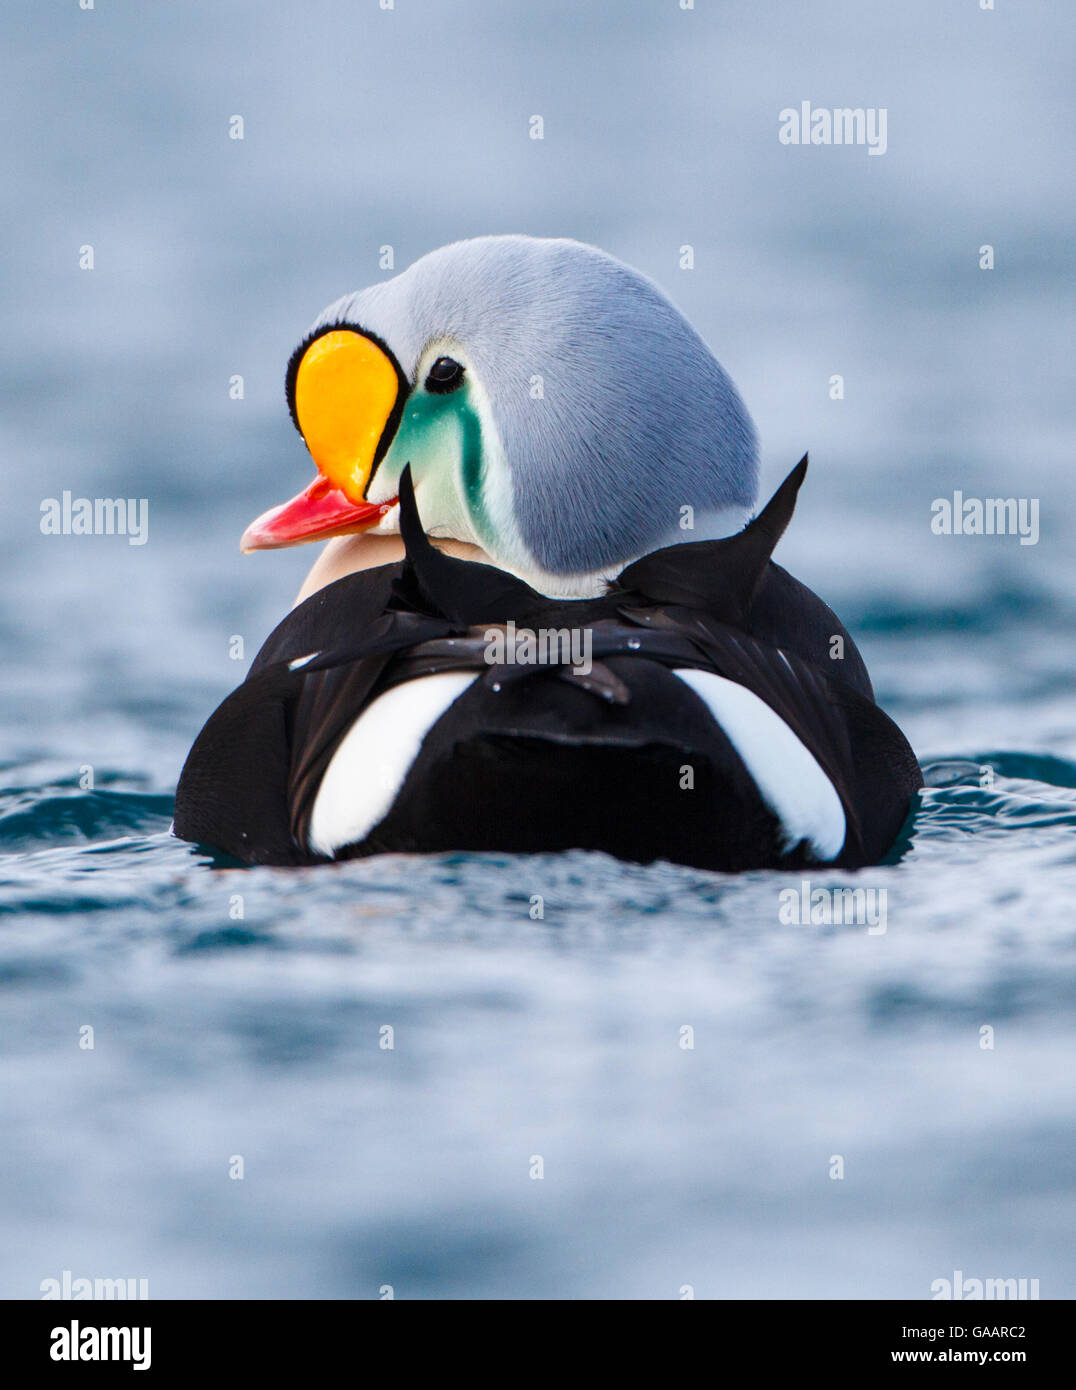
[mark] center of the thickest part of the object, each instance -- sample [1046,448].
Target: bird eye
[445,375]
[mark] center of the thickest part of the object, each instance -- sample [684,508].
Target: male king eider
[520,445]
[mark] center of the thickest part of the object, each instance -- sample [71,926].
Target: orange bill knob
[346,392]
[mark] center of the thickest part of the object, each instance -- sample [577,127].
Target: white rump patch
[787,774]
[368,768]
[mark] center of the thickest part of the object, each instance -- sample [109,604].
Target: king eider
[544,619]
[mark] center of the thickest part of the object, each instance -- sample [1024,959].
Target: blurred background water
[259,1037]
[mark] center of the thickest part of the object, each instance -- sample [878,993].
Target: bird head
[556,410]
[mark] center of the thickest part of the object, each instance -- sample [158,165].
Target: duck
[546,615]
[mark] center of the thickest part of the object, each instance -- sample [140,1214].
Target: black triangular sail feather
[463,591]
[720,576]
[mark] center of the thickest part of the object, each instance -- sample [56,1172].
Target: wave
[33,818]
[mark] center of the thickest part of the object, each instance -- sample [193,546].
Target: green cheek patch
[430,427]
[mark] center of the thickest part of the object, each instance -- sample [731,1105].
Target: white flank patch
[787,774]
[368,768]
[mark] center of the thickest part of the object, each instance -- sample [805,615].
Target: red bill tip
[317,514]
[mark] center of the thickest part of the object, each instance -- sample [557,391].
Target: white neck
[349,554]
